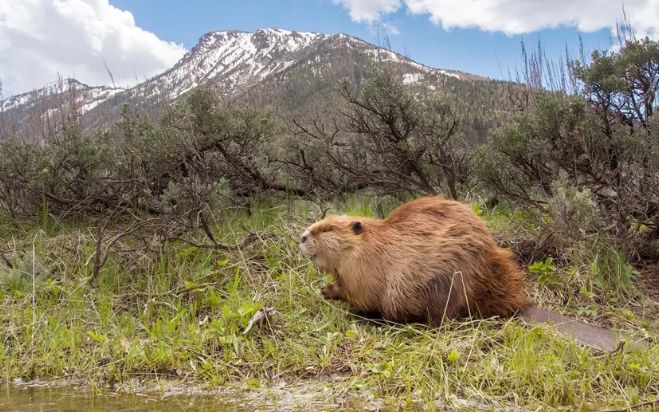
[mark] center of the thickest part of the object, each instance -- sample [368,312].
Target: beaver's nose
[304,239]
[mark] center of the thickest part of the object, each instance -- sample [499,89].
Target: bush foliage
[586,162]
[600,147]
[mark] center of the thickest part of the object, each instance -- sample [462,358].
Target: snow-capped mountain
[232,58]
[86,97]
[234,63]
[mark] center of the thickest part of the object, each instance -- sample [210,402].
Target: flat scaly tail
[589,335]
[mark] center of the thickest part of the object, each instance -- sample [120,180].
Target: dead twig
[176,292]
[247,240]
[638,405]
[4,257]
[101,253]
[261,316]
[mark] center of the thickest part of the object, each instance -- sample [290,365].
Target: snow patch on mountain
[445,73]
[96,96]
[412,78]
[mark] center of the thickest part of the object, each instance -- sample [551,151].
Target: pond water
[70,399]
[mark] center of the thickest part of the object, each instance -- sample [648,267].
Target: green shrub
[587,162]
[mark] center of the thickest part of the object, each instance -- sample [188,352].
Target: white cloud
[517,16]
[368,11]
[378,29]
[41,39]
[390,29]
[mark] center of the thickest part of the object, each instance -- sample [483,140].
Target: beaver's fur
[430,259]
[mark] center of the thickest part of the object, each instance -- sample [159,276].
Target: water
[70,399]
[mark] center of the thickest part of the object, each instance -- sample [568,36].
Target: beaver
[431,259]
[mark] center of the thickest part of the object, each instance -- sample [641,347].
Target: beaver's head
[327,240]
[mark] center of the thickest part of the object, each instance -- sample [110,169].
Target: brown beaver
[429,260]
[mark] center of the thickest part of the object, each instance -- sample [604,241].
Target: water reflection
[58,399]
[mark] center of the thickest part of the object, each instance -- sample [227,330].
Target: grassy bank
[179,311]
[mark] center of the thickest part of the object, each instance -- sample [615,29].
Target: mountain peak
[260,38]
[235,62]
[238,57]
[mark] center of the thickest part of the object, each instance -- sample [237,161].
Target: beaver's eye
[357,227]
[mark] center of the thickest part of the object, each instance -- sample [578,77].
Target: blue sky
[473,50]
[43,40]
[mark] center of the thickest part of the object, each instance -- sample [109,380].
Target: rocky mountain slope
[267,67]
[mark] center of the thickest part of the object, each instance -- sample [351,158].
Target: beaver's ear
[357,227]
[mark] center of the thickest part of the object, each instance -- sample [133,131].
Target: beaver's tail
[585,334]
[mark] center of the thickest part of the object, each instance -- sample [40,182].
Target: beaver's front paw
[331,291]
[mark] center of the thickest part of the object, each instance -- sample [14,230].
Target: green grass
[179,313]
